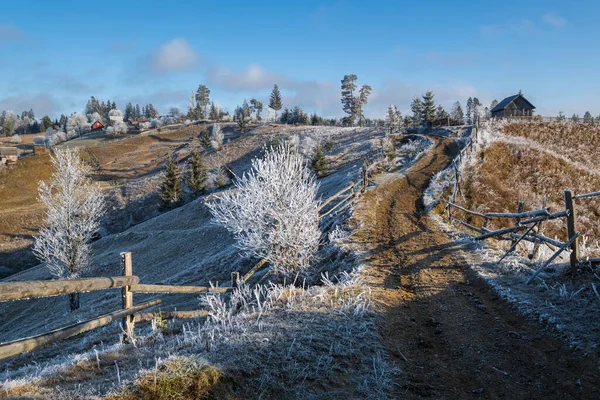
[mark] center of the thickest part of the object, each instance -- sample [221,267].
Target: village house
[8,155]
[39,145]
[513,106]
[96,126]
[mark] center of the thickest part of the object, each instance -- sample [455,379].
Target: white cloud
[520,26]
[554,20]
[176,55]
[41,103]
[9,33]
[253,77]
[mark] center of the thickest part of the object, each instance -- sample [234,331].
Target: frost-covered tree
[417,109]
[392,118]
[587,117]
[9,121]
[77,125]
[353,103]
[493,104]
[477,109]
[440,113]
[118,128]
[428,114]
[217,136]
[275,102]
[215,112]
[242,116]
[74,208]
[94,117]
[457,112]
[470,111]
[273,211]
[271,115]
[191,114]
[175,112]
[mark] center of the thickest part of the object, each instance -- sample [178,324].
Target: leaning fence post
[517,220]
[127,323]
[235,277]
[571,216]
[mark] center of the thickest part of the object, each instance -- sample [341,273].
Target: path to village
[448,332]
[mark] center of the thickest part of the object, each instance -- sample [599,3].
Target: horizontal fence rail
[32,289]
[143,288]
[34,342]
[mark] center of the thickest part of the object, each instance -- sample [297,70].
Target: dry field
[527,161]
[128,168]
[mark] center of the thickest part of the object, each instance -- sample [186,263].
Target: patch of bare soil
[449,333]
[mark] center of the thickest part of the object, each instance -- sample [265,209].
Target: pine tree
[204,139]
[170,189]
[45,123]
[587,117]
[363,97]
[129,112]
[319,162]
[214,112]
[417,108]
[441,115]
[203,98]
[428,113]
[470,111]
[457,113]
[138,112]
[196,177]
[258,107]
[476,109]
[286,116]
[275,100]
[351,103]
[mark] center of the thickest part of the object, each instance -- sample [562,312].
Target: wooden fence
[129,284]
[527,225]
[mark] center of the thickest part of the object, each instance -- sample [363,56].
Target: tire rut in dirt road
[445,329]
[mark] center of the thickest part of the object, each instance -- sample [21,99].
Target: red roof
[97,125]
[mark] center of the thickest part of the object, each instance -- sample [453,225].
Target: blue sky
[55,55]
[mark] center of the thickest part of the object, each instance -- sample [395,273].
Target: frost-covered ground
[311,337]
[568,308]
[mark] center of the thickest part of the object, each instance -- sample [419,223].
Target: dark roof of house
[504,103]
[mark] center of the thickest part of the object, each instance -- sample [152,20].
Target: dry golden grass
[509,172]
[578,142]
[181,378]
[20,212]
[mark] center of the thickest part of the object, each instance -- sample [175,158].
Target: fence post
[571,217]
[518,220]
[127,294]
[365,181]
[235,277]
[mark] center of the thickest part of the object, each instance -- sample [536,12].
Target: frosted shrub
[156,123]
[16,139]
[77,125]
[273,210]
[216,140]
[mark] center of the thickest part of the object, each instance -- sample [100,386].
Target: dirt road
[448,333]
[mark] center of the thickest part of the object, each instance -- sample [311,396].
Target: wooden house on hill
[513,106]
[39,145]
[96,126]
[8,155]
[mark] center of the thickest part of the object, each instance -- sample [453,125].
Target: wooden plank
[586,195]
[514,244]
[465,210]
[526,214]
[337,205]
[257,267]
[28,344]
[127,297]
[500,232]
[32,289]
[556,254]
[558,214]
[143,288]
[143,317]
[335,196]
[571,221]
[479,230]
